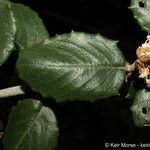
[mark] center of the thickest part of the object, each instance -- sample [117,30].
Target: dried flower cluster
[143,61]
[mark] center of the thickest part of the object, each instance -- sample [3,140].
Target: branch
[12,91]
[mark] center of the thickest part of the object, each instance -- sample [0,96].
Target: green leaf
[7,31]
[141,11]
[76,66]
[132,90]
[3,1]
[30,28]
[31,126]
[141,108]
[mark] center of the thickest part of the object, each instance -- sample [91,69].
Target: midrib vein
[27,130]
[87,67]
[82,66]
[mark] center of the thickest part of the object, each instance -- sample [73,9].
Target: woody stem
[11,91]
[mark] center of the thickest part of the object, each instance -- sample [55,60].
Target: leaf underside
[74,66]
[30,28]
[7,31]
[141,108]
[31,126]
[141,11]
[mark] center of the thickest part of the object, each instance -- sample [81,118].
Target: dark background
[84,125]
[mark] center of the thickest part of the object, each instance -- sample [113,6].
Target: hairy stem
[11,91]
[130,67]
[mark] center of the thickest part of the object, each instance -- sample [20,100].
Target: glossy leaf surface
[31,126]
[7,31]
[30,28]
[74,66]
[141,108]
[141,11]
